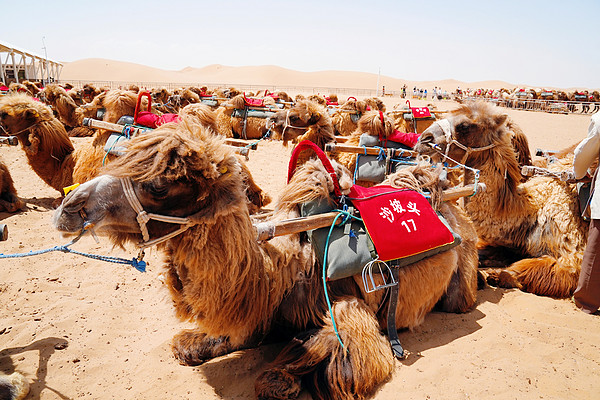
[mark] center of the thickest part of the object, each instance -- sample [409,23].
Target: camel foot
[481,280]
[277,384]
[503,278]
[192,347]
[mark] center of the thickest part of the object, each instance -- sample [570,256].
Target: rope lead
[137,263]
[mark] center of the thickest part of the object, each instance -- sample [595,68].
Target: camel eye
[463,128]
[157,188]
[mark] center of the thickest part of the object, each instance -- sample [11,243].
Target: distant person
[587,294]
[425,94]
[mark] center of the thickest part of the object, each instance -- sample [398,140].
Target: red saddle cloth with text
[400,222]
[420,112]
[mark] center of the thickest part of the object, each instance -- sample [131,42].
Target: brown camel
[9,200]
[68,112]
[539,219]
[345,119]
[237,290]
[53,157]
[233,120]
[308,120]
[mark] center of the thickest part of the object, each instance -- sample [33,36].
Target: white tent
[17,65]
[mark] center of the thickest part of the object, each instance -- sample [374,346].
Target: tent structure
[17,65]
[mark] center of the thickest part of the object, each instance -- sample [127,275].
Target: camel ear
[500,119]
[314,118]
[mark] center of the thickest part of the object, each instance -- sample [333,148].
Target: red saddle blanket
[400,222]
[149,119]
[252,102]
[409,139]
[420,112]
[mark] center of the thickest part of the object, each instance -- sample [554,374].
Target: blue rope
[140,265]
[347,216]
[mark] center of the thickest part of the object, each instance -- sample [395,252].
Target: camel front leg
[544,276]
[194,347]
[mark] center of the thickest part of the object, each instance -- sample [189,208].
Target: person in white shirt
[587,294]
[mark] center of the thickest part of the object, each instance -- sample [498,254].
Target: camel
[68,112]
[308,120]
[538,219]
[237,290]
[9,200]
[345,119]
[53,157]
[233,122]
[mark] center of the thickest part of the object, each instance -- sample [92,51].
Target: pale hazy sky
[540,43]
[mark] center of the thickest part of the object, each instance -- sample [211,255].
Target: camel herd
[537,99]
[187,173]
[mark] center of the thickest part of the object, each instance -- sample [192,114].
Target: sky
[538,43]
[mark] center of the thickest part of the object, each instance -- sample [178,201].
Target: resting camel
[53,157]
[232,122]
[538,219]
[237,290]
[68,112]
[308,120]
[345,119]
[9,200]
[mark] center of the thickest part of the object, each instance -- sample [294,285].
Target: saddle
[396,227]
[149,119]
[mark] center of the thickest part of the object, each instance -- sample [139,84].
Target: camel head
[466,134]
[19,112]
[182,172]
[290,123]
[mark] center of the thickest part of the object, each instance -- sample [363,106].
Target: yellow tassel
[67,189]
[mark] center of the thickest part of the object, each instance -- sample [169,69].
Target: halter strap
[144,217]
[444,124]
[288,125]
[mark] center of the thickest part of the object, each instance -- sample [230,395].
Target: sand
[83,328]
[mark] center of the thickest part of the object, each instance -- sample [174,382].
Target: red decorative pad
[420,112]
[401,222]
[251,102]
[406,138]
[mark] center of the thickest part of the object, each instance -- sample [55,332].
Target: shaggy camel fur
[49,150]
[345,120]
[237,290]
[310,121]
[9,201]
[233,126]
[68,112]
[52,156]
[207,118]
[13,386]
[539,219]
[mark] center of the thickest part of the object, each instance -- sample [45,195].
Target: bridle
[444,124]
[144,217]
[288,125]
